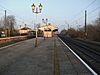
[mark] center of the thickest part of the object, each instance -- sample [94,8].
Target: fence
[14,39]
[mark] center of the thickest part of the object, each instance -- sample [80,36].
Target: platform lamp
[45,21]
[36,10]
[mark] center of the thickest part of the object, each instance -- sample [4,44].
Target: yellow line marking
[56,60]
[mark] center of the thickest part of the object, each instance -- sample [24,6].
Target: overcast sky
[59,12]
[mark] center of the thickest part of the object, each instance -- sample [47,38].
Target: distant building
[24,30]
[48,30]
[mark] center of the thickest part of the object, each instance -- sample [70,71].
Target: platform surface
[51,57]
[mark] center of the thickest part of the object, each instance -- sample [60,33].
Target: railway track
[89,52]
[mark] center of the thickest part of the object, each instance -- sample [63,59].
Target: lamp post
[36,10]
[20,30]
[9,29]
[46,22]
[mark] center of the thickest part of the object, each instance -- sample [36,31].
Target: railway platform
[51,57]
[69,64]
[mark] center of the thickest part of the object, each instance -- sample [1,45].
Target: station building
[24,30]
[48,30]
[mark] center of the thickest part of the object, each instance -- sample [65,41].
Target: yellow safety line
[56,60]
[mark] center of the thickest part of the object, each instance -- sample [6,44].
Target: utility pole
[85,24]
[68,27]
[20,30]
[5,25]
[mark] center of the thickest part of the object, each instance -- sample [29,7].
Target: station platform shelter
[48,30]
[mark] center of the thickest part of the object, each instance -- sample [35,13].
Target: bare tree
[10,24]
[93,31]
[63,32]
[1,23]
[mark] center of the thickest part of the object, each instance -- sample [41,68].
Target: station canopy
[48,28]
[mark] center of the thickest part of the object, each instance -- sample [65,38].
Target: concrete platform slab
[51,57]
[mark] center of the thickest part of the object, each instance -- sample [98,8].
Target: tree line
[7,25]
[92,30]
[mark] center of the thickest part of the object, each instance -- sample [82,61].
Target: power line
[90,4]
[17,17]
[1,9]
[93,16]
[94,10]
[85,8]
